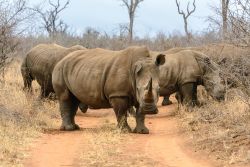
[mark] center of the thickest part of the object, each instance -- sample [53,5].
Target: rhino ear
[138,67]
[160,59]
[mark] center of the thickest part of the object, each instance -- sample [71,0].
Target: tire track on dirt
[164,145]
[57,148]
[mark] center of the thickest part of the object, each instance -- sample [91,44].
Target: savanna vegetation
[221,129]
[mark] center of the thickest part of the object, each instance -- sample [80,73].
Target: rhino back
[215,50]
[41,60]
[179,68]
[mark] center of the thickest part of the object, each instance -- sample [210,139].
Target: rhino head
[147,83]
[212,81]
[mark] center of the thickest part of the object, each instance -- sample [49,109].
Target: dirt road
[164,146]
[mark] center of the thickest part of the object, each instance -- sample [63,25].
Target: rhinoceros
[39,64]
[108,79]
[185,70]
[227,56]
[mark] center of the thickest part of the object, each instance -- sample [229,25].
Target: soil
[164,146]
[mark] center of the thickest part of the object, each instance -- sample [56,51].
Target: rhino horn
[149,95]
[150,86]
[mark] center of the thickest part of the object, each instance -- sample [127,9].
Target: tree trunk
[224,8]
[188,35]
[186,26]
[131,25]
[131,6]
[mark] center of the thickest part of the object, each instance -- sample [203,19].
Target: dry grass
[22,117]
[221,129]
[109,147]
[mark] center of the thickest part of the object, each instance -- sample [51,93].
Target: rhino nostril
[149,106]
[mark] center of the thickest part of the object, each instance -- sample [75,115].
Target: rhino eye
[139,73]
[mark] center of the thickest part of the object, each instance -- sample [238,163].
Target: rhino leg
[46,88]
[178,97]
[140,123]
[44,92]
[68,107]
[27,79]
[166,101]
[120,106]
[166,92]
[188,93]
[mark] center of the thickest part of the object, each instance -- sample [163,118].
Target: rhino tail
[26,74]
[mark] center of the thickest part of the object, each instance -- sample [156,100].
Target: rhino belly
[96,102]
[89,91]
[167,91]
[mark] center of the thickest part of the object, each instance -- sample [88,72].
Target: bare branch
[192,11]
[50,17]
[131,7]
[12,14]
[20,7]
[126,3]
[178,6]
[186,15]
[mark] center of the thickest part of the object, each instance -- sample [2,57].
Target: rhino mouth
[218,96]
[149,108]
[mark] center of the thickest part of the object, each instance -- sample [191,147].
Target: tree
[131,7]
[238,22]
[234,20]
[12,15]
[185,16]
[224,14]
[50,17]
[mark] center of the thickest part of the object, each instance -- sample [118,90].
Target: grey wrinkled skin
[222,53]
[184,71]
[39,64]
[108,79]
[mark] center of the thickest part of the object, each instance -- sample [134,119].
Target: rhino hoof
[167,102]
[126,129]
[69,127]
[141,130]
